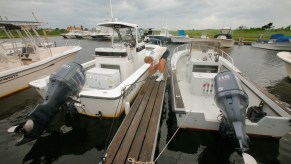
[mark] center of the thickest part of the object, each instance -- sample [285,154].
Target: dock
[136,138]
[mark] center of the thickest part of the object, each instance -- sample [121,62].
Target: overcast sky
[173,14]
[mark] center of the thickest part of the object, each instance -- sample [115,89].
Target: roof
[117,25]
[17,24]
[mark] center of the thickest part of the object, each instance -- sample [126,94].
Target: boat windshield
[129,34]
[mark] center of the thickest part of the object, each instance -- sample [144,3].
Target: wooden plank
[118,138]
[121,155]
[151,135]
[178,97]
[141,132]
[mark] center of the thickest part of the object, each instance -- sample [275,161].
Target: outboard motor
[232,101]
[67,81]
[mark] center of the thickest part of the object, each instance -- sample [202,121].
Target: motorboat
[115,76]
[210,93]
[180,38]
[225,38]
[164,35]
[102,33]
[71,34]
[29,59]
[286,58]
[277,42]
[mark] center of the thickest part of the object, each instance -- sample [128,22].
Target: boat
[102,33]
[180,38]
[277,42]
[70,34]
[286,58]
[210,93]
[115,76]
[225,38]
[30,59]
[164,35]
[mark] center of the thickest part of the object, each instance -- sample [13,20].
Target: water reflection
[87,134]
[281,89]
[209,147]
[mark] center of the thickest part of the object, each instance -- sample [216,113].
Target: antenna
[34,17]
[111,10]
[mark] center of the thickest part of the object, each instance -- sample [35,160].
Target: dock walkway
[136,137]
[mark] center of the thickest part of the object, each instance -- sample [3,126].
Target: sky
[157,14]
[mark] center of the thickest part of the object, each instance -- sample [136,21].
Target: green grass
[248,35]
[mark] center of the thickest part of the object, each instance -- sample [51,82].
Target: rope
[172,136]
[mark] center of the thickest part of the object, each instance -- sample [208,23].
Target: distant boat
[277,42]
[102,33]
[224,38]
[30,59]
[181,38]
[286,58]
[164,36]
[71,34]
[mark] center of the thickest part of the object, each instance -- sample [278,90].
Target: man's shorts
[166,54]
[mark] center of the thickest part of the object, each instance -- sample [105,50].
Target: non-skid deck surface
[137,135]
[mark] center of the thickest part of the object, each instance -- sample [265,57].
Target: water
[88,140]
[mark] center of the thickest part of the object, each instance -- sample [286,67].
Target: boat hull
[286,58]
[225,43]
[284,46]
[180,39]
[19,79]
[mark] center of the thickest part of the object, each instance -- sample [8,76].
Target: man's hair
[148,59]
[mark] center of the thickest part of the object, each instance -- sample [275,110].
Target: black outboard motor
[232,101]
[67,81]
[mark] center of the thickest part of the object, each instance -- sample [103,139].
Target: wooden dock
[136,137]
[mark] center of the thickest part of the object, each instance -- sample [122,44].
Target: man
[157,63]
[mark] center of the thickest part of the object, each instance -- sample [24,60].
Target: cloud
[174,14]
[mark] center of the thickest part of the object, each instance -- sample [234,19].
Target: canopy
[118,25]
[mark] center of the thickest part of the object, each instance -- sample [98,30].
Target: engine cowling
[67,81]
[232,101]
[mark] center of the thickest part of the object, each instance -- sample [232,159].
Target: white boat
[102,33]
[164,35]
[197,73]
[71,34]
[180,38]
[286,57]
[277,42]
[30,61]
[116,75]
[224,38]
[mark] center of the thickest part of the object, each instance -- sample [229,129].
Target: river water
[88,140]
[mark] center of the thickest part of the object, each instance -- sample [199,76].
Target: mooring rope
[172,137]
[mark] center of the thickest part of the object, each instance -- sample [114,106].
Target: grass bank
[248,35]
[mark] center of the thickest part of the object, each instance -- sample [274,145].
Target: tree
[268,26]
[242,27]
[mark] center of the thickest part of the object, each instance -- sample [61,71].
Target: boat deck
[137,135]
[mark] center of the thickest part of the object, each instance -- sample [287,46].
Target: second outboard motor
[67,81]
[232,101]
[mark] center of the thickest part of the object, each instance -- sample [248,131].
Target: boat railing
[226,56]
[66,43]
[204,46]
[175,57]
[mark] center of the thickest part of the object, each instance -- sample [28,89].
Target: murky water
[87,142]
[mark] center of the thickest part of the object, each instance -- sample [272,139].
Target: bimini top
[21,23]
[117,25]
